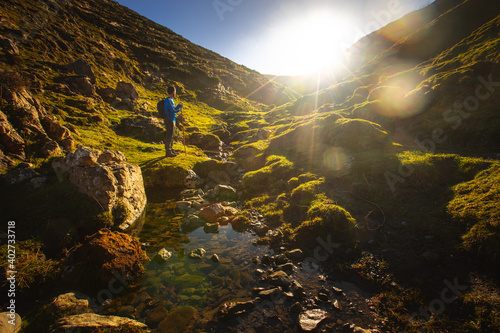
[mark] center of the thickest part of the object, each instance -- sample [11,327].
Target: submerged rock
[92,321]
[197,254]
[162,256]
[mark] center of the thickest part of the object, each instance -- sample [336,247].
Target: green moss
[271,178]
[475,205]
[325,219]
[305,193]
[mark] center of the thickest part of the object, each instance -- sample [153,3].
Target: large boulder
[80,84]
[126,90]
[147,129]
[210,142]
[81,67]
[107,178]
[106,259]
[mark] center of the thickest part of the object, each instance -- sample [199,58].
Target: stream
[184,294]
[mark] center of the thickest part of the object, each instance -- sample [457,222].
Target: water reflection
[185,285]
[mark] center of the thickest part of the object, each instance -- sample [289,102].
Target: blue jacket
[170,109]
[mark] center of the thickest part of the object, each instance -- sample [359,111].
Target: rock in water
[309,320]
[162,256]
[116,185]
[197,254]
[91,322]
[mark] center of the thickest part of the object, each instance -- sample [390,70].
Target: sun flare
[307,44]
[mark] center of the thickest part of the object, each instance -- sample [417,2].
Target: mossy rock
[271,178]
[475,205]
[325,219]
[305,193]
[356,135]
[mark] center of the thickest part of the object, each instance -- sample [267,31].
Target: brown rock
[108,256]
[215,212]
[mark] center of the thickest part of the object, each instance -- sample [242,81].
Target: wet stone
[295,255]
[310,319]
[280,279]
[231,310]
[197,254]
[162,256]
[215,258]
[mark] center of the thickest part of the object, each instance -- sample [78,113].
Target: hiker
[171,114]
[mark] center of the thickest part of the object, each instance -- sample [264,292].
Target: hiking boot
[170,154]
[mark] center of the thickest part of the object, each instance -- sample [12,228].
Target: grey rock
[162,256]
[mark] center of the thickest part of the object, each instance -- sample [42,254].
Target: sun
[307,43]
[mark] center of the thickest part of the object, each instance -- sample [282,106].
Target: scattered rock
[215,258]
[309,320]
[280,279]
[230,310]
[295,255]
[192,180]
[225,192]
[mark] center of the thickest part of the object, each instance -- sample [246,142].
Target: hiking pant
[169,137]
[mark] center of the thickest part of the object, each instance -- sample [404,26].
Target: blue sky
[282,37]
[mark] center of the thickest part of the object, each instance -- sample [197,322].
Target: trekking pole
[183,134]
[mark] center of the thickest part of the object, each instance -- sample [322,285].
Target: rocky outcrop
[91,322]
[10,141]
[106,177]
[106,258]
[23,116]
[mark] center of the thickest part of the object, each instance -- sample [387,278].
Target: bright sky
[281,37]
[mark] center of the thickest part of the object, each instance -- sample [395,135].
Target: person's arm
[170,105]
